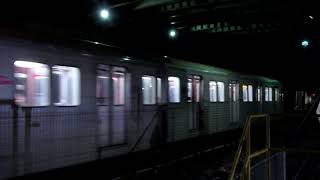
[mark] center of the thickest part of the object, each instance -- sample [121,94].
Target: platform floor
[201,157]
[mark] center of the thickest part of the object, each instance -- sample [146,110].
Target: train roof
[179,63]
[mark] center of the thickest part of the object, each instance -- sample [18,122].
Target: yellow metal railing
[246,141]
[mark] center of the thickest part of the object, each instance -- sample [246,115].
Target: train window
[103,85]
[118,87]
[66,83]
[149,89]
[276,94]
[189,90]
[220,91]
[159,92]
[213,91]
[245,93]
[270,94]
[174,89]
[259,94]
[32,84]
[250,93]
[266,94]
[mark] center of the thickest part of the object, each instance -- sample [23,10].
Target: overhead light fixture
[104,14]
[127,58]
[172,33]
[305,43]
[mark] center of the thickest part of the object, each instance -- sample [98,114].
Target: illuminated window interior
[174,89]
[159,92]
[103,85]
[213,91]
[220,91]
[32,84]
[270,94]
[194,89]
[149,89]
[66,83]
[259,94]
[118,87]
[189,90]
[247,93]
[233,92]
[250,93]
[276,94]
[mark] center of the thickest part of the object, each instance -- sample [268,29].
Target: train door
[234,101]
[150,112]
[119,85]
[194,90]
[111,84]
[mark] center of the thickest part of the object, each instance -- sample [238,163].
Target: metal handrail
[245,137]
[239,150]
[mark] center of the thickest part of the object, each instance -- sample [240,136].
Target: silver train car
[60,105]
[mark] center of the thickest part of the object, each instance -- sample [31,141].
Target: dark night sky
[278,54]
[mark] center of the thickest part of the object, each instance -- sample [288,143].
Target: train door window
[66,81]
[213,91]
[32,84]
[220,91]
[276,94]
[245,93]
[196,83]
[189,90]
[174,89]
[194,88]
[118,78]
[159,92]
[266,94]
[149,89]
[103,85]
[259,94]
[270,94]
[233,92]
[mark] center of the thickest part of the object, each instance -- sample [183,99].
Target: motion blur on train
[62,105]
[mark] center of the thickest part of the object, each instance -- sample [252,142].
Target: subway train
[65,104]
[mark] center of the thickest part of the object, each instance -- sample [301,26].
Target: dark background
[275,52]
